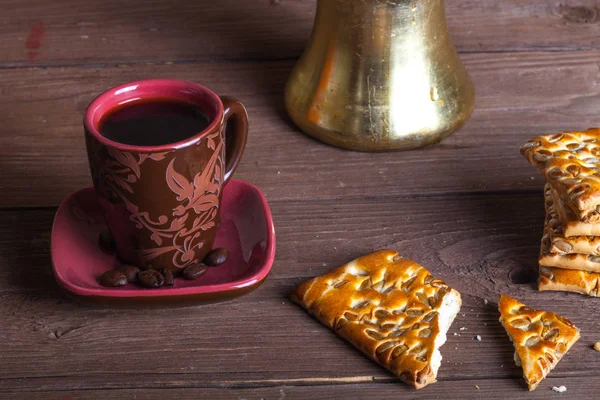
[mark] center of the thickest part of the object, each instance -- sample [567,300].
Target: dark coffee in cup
[153,122]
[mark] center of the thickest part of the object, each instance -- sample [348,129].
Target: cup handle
[235,139]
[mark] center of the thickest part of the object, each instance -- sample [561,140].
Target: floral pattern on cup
[198,199]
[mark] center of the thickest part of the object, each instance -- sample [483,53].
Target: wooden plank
[481,244]
[519,95]
[61,32]
[497,389]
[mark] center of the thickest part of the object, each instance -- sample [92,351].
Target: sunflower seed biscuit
[570,163]
[541,338]
[390,308]
[582,262]
[555,240]
[568,280]
[571,225]
[558,250]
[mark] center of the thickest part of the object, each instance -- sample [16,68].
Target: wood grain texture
[519,96]
[581,388]
[480,244]
[63,32]
[469,209]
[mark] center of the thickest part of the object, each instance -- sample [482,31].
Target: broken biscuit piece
[390,308]
[540,338]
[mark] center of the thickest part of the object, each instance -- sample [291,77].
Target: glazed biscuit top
[389,307]
[570,162]
[541,338]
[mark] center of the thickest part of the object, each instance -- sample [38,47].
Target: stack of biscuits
[570,251]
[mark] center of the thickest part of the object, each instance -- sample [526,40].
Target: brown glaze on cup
[161,203]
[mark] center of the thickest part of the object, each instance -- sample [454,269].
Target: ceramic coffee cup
[161,203]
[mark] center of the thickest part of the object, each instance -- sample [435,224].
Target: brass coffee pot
[380,75]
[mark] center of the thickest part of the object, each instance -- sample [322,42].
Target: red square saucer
[246,231]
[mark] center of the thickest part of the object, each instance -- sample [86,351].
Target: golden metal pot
[380,75]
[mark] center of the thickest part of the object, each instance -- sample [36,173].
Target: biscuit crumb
[462,328]
[485,302]
[597,346]
[559,389]
[478,338]
[476,387]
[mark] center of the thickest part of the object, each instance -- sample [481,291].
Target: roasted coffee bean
[106,242]
[168,276]
[151,278]
[130,271]
[144,267]
[113,278]
[178,273]
[216,257]
[194,271]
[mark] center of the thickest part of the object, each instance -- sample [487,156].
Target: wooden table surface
[470,209]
